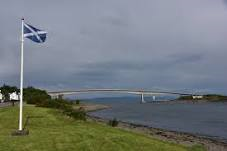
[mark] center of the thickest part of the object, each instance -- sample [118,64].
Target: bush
[77,102]
[113,122]
[79,114]
[35,96]
[56,103]
[187,97]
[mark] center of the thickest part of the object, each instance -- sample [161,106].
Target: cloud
[121,44]
[180,58]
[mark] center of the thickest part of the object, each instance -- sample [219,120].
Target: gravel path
[5,104]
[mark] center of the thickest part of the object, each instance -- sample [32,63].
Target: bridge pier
[142,99]
[153,98]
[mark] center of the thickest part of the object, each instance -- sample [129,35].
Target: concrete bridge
[57,94]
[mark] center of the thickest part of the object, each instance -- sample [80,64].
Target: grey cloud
[122,43]
[180,58]
[116,21]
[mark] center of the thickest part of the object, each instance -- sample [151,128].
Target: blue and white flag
[34,34]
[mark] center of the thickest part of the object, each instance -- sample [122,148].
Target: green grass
[55,132]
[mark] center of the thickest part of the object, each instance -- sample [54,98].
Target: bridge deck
[149,92]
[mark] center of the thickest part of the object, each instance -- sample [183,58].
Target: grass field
[50,130]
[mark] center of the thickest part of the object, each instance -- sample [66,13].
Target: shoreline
[185,101]
[211,144]
[184,138]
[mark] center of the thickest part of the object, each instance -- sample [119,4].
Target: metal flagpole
[21,74]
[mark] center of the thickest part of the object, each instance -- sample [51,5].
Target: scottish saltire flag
[34,34]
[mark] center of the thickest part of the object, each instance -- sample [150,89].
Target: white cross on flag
[34,34]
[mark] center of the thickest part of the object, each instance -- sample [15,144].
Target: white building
[1,97]
[14,96]
[197,96]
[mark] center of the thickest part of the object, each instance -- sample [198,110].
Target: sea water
[209,119]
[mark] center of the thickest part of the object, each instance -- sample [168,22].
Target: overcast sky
[150,44]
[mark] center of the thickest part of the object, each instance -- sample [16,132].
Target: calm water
[208,119]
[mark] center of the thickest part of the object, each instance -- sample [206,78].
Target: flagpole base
[23,132]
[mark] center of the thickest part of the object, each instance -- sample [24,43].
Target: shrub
[114,122]
[35,96]
[79,114]
[187,97]
[77,102]
[56,103]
